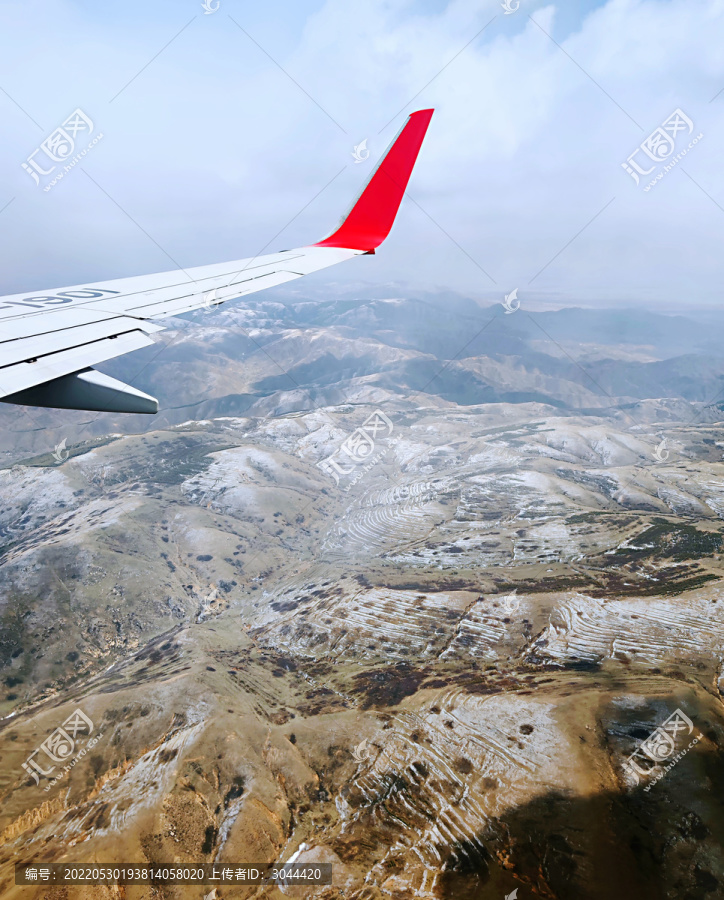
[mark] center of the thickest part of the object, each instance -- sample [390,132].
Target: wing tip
[371,218]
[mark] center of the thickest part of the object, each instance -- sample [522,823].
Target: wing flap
[38,370]
[21,350]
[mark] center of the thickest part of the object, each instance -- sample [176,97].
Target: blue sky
[227,133]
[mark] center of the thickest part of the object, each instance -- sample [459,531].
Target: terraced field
[430,673]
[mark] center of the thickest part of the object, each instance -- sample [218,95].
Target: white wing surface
[50,340]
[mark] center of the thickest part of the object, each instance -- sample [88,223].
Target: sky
[230,133]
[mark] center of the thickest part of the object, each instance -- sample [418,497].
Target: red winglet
[369,221]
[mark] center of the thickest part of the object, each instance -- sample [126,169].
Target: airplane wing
[50,340]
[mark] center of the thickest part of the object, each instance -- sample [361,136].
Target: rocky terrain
[380,598]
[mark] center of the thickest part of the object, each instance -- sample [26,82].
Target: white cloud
[213,149]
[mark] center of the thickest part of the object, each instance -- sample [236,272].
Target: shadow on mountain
[665,843]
